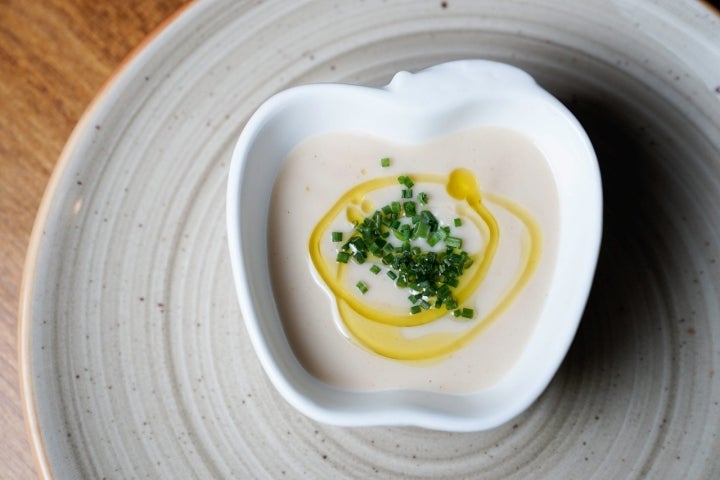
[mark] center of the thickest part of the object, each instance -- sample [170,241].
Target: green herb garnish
[454,242]
[405,180]
[431,273]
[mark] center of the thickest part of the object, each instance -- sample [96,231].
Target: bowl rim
[404,90]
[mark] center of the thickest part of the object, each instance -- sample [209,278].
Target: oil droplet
[367,206]
[462,184]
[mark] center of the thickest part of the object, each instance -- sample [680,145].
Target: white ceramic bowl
[415,108]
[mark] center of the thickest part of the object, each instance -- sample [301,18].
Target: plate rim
[29,272]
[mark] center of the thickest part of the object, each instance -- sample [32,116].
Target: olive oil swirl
[382,331]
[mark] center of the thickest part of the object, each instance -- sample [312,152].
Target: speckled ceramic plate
[136,362]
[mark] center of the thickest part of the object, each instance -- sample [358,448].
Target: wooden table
[55,55]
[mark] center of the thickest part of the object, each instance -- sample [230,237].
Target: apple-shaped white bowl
[414,108]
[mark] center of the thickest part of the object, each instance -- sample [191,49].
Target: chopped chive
[428,217]
[453,242]
[457,313]
[423,198]
[422,230]
[443,292]
[342,257]
[362,287]
[337,236]
[357,244]
[376,246]
[360,257]
[405,180]
[403,233]
[467,313]
[375,269]
[393,276]
[415,309]
[406,193]
[385,162]
[454,258]
[378,218]
[457,222]
[410,209]
[395,207]
[435,238]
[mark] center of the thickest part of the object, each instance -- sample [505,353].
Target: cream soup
[351,326]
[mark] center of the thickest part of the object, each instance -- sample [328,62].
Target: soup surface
[348,322]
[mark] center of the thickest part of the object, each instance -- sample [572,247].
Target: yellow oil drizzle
[382,331]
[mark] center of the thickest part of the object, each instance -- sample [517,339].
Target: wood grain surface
[55,55]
